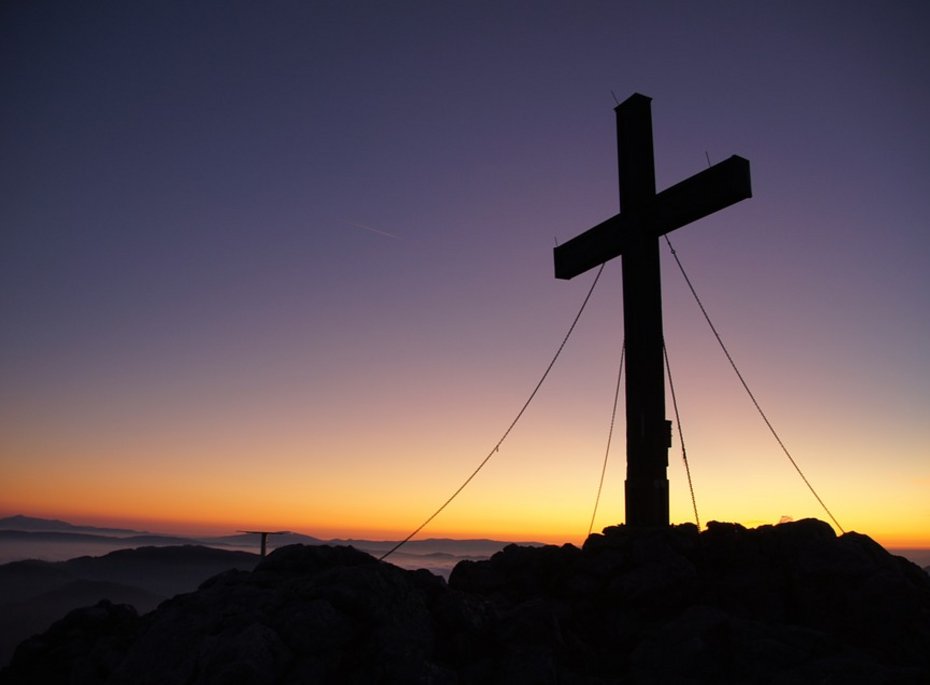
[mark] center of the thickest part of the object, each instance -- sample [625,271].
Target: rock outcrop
[791,603]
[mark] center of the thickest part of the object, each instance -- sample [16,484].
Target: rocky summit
[791,603]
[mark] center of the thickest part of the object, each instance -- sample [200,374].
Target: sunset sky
[289,264]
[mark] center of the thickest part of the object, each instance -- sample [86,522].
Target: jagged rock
[791,603]
[83,647]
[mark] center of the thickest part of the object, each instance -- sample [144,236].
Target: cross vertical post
[633,235]
[647,431]
[264,534]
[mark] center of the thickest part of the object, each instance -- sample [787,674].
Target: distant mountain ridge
[33,524]
[30,530]
[81,536]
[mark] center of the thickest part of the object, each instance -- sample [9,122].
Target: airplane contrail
[373,230]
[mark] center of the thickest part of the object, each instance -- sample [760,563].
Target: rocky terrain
[791,603]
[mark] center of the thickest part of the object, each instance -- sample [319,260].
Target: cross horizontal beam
[704,193]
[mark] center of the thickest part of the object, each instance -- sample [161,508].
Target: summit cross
[633,235]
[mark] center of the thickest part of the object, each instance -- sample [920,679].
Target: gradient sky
[289,264]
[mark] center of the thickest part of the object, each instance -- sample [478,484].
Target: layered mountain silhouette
[142,569]
[34,524]
[791,603]
[28,537]
[33,593]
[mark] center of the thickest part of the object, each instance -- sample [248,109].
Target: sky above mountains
[290,266]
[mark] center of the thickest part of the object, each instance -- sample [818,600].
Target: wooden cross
[265,534]
[633,234]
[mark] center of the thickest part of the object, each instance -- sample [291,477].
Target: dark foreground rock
[779,604]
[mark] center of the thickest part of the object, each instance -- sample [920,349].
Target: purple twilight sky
[291,262]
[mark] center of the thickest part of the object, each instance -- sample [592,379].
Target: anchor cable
[746,387]
[509,428]
[610,433]
[681,436]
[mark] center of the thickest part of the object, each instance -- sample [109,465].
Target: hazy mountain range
[49,567]
[26,537]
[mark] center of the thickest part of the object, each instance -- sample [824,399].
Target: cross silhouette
[633,235]
[264,534]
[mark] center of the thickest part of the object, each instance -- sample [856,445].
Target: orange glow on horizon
[530,492]
[461,529]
